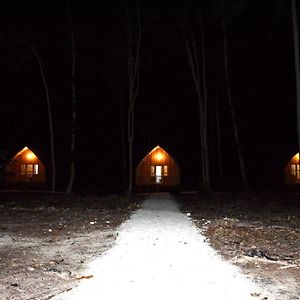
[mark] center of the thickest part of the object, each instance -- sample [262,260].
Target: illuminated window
[152,171]
[165,170]
[23,169]
[29,169]
[295,170]
[35,169]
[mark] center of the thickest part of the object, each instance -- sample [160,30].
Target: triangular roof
[22,151]
[295,159]
[29,152]
[154,150]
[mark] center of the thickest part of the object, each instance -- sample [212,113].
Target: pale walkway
[160,255]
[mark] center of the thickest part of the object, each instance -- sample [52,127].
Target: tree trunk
[233,117]
[130,125]
[202,102]
[133,74]
[205,103]
[74,118]
[53,181]
[123,146]
[297,64]
[218,129]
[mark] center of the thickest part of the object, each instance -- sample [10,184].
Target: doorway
[158,174]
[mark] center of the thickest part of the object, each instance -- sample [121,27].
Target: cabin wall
[143,170]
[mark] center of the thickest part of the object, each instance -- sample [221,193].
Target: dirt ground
[46,241]
[260,234]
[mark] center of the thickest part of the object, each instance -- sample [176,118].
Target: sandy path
[159,254]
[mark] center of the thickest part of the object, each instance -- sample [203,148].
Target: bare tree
[225,11]
[297,64]
[218,130]
[74,107]
[123,144]
[232,114]
[53,181]
[134,44]
[201,92]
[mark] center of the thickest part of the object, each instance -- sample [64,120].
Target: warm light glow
[295,159]
[159,156]
[30,156]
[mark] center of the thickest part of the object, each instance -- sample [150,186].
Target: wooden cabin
[292,171]
[157,168]
[25,167]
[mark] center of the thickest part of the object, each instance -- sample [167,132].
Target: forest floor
[46,241]
[260,234]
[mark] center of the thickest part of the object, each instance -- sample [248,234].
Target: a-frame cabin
[158,169]
[25,168]
[292,171]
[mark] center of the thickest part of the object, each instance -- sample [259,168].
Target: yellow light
[159,156]
[295,159]
[30,156]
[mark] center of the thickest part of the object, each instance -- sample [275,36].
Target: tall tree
[133,60]
[297,64]
[74,105]
[123,144]
[45,83]
[201,93]
[232,114]
[219,152]
[225,12]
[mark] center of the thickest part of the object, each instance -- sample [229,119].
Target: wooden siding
[15,172]
[292,171]
[157,157]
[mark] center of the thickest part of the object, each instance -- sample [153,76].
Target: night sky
[261,62]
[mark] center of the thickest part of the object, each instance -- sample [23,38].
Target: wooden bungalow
[292,171]
[157,168]
[25,167]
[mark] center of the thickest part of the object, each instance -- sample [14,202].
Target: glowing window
[23,169]
[29,170]
[152,171]
[295,170]
[36,169]
[165,170]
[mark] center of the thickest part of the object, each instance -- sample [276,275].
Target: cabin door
[158,174]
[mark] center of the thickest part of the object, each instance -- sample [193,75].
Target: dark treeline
[93,72]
